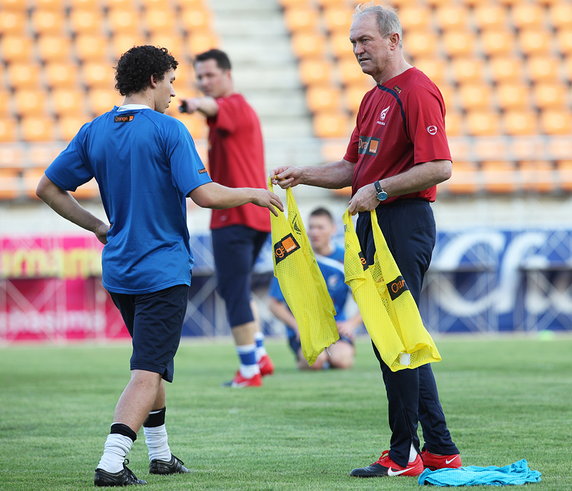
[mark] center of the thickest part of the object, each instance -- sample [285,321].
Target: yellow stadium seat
[9,184]
[338,19]
[61,75]
[414,17]
[317,71]
[534,41]
[301,19]
[52,48]
[537,175]
[489,15]
[506,68]
[482,123]
[527,14]
[452,17]
[67,102]
[550,95]
[543,69]
[323,98]
[23,76]
[468,69]
[420,43]
[560,14]
[309,45]
[98,74]
[8,129]
[500,177]
[330,125]
[513,96]
[45,22]
[13,22]
[519,122]
[459,43]
[37,129]
[475,95]
[86,21]
[496,42]
[15,48]
[30,102]
[556,122]
[88,47]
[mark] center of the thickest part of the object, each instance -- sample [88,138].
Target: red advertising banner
[50,290]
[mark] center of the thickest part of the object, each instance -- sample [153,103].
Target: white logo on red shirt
[382,115]
[432,129]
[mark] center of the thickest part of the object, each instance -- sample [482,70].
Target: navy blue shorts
[235,249]
[155,321]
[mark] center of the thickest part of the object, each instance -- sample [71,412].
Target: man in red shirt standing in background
[236,159]
[397,154]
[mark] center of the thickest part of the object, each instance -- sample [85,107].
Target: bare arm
[281,311]
[332,176]
[205,105]
[65,205]
[418,178]
[214,195]
[347,327]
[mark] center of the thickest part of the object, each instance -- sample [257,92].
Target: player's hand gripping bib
[301,281]
[387,307]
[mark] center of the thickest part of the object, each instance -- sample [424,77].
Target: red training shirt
[236,159]
[399,124]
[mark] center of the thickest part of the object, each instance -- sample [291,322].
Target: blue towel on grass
[513,474]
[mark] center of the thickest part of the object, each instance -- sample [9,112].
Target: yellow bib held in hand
[387,307]
[302,282]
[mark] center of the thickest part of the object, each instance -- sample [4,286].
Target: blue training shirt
[332,268]
[145,164]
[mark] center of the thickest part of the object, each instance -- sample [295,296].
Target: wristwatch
[381,194]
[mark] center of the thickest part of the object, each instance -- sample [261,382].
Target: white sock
[412,453]
[248,365]
[157,443]
[115,450]
[260,349]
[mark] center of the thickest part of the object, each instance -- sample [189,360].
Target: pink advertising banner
[50,290]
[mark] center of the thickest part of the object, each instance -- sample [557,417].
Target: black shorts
[235,249]
[155,322]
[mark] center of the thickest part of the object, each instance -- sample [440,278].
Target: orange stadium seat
[37,129]
[42,154]
[499,177]
[543,69]
[15,48]
[341,47]
[506,68]
[301,19]
[511,95]
[564,38]
[550,95]
[30,182]
[519,122]
[567,67]
[468,70]
[452,17]
[123,21]
[67,101]
[560,15]
[120,43]
[9,184]
[351,74]
[48,4]
[497,42]
[420,43]
[13,22]
[14,6]
[199,42]
[11,157]
[414,17]
[466,179]
[69,124]
[482,123]
[330,125]
[338,19]
[449,94]
[564,174]
[89,190]
[475,95]
[61,75]
[317,71]
[122,4]
[193,19]
[98,74]
[454,123]
[45,22]
[86,21]
[537,176]
[435,68]
[174,42]
[30,102]
[88,47]
[5,103]
[459,42]
[160,21]
[556,122]
[524,15]
[102,100]
[323,98]
[23,76]
[327,4]
[89,4]
[8,129]
[53,48]
[353,97]
[309,45]
[490,15]
[534,41]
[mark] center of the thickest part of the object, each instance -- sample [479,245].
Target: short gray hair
[387,20]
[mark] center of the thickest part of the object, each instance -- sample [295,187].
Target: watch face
[382,196]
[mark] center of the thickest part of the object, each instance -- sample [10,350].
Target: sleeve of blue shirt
[187,169]
[275,291]
[70,170]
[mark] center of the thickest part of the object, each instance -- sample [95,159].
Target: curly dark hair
[136,66]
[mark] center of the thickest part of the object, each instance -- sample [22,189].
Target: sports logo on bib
[284,247]
[397,287]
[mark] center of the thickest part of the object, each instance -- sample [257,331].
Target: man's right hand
[287,177]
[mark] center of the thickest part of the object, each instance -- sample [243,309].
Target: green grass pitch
[505,399]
